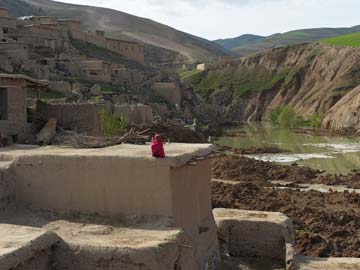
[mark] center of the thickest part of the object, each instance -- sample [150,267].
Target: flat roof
[178,154]
[24,77]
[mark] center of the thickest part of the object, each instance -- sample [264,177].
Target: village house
[7,23]
[13,115]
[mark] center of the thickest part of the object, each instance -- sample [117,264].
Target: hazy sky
[214,19]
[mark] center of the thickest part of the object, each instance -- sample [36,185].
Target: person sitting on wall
[157,147]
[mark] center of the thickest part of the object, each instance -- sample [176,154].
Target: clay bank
[119,208]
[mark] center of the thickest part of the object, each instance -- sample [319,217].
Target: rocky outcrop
[308,77]
[345,114]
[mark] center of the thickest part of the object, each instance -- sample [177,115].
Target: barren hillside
[120,24]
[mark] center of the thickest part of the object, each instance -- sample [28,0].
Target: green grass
[241,80]
[347,40]
[188,73]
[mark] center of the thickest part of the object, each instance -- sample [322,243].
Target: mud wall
[14,118]
[169,91]
[82,117]
[7,186]
[135,114]
[111,185]
[192,210]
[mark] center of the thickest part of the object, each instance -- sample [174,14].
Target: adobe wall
[169,91]
[82,117]
[7,185]
[111,183]
[7,22]
[135,114]
[16,111]
[131,50]
[192,209]
[4,12]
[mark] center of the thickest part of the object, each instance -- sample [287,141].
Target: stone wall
[81,117]
[14,117]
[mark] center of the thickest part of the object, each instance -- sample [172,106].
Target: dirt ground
[327,224]
[239,168]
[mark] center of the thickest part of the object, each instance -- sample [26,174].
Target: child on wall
[157,147]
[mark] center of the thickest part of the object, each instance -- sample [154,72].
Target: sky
[214,19]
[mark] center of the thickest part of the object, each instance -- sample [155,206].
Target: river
[334,154]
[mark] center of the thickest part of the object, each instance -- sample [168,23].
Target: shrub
[274,115]
[112,126]
[316,120]
[288,118]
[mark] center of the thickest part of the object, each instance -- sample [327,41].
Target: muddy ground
[239,168]
[327,224]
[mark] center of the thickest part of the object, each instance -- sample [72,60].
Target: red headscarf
[157,147]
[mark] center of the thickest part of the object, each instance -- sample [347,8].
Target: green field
[347,40]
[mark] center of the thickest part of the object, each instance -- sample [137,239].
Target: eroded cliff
[309,77]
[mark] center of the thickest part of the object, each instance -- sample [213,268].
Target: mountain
[231,43]
[122,25]
[243,47]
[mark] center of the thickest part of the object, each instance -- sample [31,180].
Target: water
[334,154]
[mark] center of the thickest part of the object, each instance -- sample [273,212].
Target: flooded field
[334,154]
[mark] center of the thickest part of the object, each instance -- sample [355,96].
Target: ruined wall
[131,50]
[169,91]
[127,76]
[7,25]
[135,114]
[38,36]
[14,118]
[82,117]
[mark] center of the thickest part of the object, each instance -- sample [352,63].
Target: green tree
[112,126]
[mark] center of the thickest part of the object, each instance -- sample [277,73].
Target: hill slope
[231,43]
[346,40]
[288,38]
[120,24]
[308,77]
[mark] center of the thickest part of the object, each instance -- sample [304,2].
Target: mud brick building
[13,116]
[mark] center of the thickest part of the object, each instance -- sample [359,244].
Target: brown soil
[243,169]
[239,168]
[326,224]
